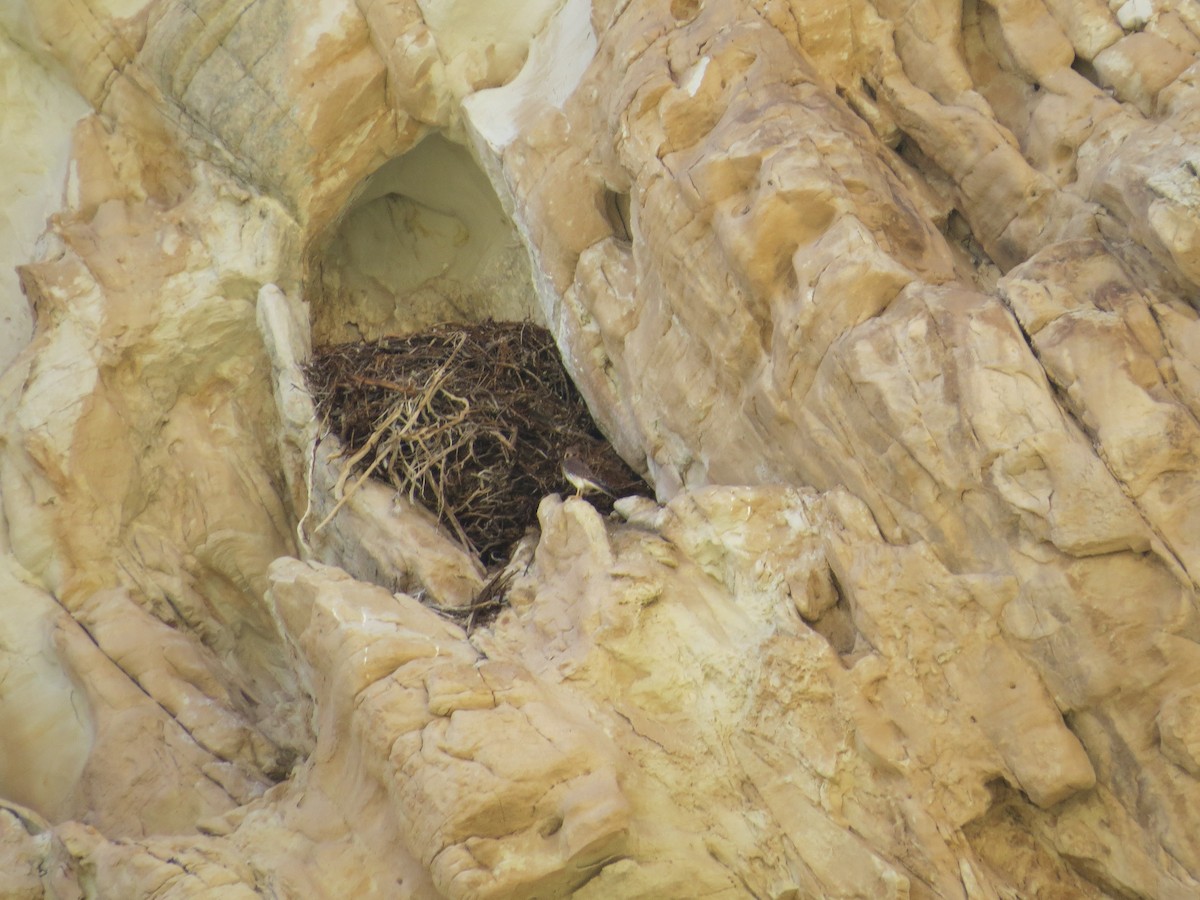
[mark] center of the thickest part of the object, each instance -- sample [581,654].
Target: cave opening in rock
[422,240]
[432,365]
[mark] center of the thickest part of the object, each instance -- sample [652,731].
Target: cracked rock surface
[894,303]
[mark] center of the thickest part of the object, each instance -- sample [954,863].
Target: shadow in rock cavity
[424,239]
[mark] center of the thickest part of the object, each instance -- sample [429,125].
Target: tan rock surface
[894,302]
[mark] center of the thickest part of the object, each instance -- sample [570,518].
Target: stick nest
[470,420]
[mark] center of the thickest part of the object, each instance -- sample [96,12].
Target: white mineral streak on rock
[557,60]
[40,109]
[1134,14]
[895,302]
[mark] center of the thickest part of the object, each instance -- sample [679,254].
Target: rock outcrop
[894,304]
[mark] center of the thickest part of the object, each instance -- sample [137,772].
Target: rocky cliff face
[895,303]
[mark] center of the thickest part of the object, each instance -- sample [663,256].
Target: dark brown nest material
[470,420]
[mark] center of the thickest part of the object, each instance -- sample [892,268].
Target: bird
[580,475]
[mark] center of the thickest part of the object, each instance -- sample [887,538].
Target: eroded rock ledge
[894,303]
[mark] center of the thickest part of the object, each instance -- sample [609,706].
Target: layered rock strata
[893,302]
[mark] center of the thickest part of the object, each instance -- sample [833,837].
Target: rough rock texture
[894,302]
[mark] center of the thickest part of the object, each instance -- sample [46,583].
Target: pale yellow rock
[516,793]
[40,109]
[47,742]
[1090,24]
[33,859]
[1139,66]
[1144,425]
[894,302]
[1179,730]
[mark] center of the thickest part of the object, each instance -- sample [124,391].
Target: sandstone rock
[1179,730]
[894,301]
[40,109]
[1139,66]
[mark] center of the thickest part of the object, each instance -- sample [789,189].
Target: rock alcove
[430,367]
[423,239]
